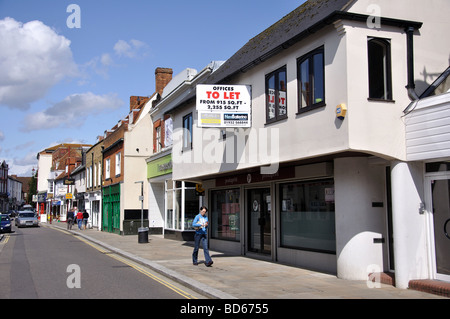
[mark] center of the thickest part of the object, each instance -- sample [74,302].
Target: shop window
[276,99]
[225,213]
[311,80]
[179,215]
[380,82]
[307,216]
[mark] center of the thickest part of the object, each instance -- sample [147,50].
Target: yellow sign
[199,190]
[69,196]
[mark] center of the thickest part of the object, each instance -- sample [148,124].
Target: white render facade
[351,180]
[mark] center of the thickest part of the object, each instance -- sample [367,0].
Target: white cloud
[33,58]
[72,111]
[132,49]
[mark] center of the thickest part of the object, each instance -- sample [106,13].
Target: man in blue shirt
[200,224]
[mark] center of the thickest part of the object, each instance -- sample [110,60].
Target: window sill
[276,120]
[310,108]
[371,99]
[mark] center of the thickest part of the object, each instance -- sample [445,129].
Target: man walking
[200,224]
[70,218]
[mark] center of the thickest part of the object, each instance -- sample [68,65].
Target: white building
[15,199]
[328,177]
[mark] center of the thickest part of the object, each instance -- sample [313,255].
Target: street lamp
[142,231]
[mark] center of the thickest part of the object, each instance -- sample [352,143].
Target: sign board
[69,181]
[69,196]
[224,105]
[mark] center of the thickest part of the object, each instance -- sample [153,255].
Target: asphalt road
[44,263]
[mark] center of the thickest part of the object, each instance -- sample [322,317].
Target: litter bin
[142,235]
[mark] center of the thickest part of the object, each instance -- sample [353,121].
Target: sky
[68,68]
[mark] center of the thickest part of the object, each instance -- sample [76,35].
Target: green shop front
[111,209]
[173,203]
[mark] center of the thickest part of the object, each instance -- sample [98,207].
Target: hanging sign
[224,105]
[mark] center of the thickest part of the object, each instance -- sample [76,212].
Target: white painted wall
[357,185]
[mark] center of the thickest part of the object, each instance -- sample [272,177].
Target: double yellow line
[5,239]
[136,267]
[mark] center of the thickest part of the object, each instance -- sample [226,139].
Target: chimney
[137,101]
[162,78]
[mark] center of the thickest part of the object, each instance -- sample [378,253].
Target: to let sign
[224,105]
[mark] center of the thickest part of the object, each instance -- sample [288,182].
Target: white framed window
[118,160]
[107,168]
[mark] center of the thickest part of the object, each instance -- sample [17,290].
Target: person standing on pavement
[70,217]
[85,218]
[200,225]
[79,219]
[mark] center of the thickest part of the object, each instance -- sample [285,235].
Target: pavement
[238,277]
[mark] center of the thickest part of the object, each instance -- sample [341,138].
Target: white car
[26,219]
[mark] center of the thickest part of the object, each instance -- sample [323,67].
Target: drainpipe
[410,64]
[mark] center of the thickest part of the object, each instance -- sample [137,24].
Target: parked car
[26,219]
[5,223]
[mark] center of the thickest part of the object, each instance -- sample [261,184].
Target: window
[158,136]
[311,80]
[276,103]
[307,216]
[158,139]
[182,205]
[380,82]
[118,161]
[187,132]
[107,168]
[225,212]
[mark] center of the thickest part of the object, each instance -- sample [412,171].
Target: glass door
[259,220]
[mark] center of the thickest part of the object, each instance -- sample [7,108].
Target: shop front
[174,204]
[287,217]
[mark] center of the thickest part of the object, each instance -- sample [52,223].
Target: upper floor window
[107,168]
[118,164]
[158,145]
[276,102]
[380,82]
[311,80]
[187,132]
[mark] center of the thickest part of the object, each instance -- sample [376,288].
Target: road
[45,263]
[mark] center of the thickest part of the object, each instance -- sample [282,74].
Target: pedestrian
[79,219]
[70,218]
[200,225]
[85,218]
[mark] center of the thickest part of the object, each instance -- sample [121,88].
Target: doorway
[438,202]
[259,210]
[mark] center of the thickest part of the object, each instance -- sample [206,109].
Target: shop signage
[160,166]
[69,181]
[224,105]
[69,196]
[256,177]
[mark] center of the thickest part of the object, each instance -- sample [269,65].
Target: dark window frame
[309,57]
[276,74]
[190,130]
[373,78]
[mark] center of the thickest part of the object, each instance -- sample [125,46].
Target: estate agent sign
[224,105]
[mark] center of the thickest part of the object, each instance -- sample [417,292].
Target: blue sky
[61,84]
